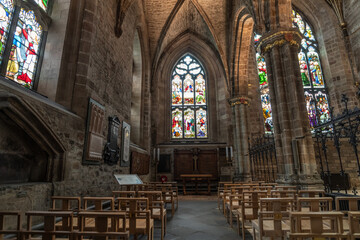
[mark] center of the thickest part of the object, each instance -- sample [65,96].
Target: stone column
[241,158]
[294,144]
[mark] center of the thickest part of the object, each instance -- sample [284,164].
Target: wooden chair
[125,194]
[138,216]
[249,209]
[7,218]
[169,196]
[102,225]
[285,187]
[346,204]
[157,207]
[64,203]
[232,206]
[220,193]
[273,218]
[51,229]
[354,225]
[316,225]
[98,203]
[314,204]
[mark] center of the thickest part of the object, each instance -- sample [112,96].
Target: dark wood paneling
[207,163]
[140,163]
[183,163]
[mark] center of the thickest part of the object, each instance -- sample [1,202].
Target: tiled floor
[198,219]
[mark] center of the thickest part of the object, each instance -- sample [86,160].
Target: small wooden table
[196,178]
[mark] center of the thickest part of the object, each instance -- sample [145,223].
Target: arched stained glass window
[21,39]
[316,98]
[264,89]
[189,100]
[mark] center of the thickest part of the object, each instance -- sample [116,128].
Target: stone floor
[198,218]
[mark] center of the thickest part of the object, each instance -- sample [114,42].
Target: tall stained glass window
[264,89]
[317,103]
[20,48]
[188,100]
[316,98]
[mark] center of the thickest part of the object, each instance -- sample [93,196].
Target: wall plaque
[125,146]
[128,179]
[112,150]
[94,139]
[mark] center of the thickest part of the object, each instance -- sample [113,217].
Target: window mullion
[9,41]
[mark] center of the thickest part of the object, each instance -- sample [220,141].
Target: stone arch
[44,158]
[217,85]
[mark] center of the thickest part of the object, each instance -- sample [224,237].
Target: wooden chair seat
[157,212]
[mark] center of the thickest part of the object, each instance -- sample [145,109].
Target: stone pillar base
[302,181]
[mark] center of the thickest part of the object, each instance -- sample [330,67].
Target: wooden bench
[311,193]
[5,218]
[169,196]
[98,203]
[316,225]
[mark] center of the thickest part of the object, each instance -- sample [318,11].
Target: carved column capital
[279,38]
[238,101]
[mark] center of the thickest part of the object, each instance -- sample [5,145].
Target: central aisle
[199,220]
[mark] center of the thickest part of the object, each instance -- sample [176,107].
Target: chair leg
[243,229]
[231,218]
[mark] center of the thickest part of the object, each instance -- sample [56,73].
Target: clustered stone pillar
[294,144]
[241,159]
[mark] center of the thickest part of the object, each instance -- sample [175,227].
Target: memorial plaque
[140,163]
[125,150]
[94,139]
[112,150]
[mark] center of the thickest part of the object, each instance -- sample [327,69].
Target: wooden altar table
[196,178]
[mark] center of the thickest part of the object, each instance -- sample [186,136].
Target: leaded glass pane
[24,52]
[188,90]
[42,3]
[177,129]
[189,122]
[176,90]
[310,106]
[6,14]
[315,69]
[304,70]
[201,123]
[189,100]
[200,90]
[322,107]
[266,107]
[261,70]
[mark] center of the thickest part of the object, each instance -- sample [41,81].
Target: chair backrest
[345,204]
[98,203]
[284,193]
[316,224]
[354,224]
[10,218]
[311,193]
[135,208]
[314,204]
[64,203]
[126,194]
[250,204]
[285,187]
[274,210]
[152,196]
[52,227]
[105,221]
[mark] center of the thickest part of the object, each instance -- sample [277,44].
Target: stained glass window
[22,55]
[264,89]
[312,77]
[189,104]
[317,103]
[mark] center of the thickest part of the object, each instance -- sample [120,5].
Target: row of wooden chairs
[59,224]
[278,218]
